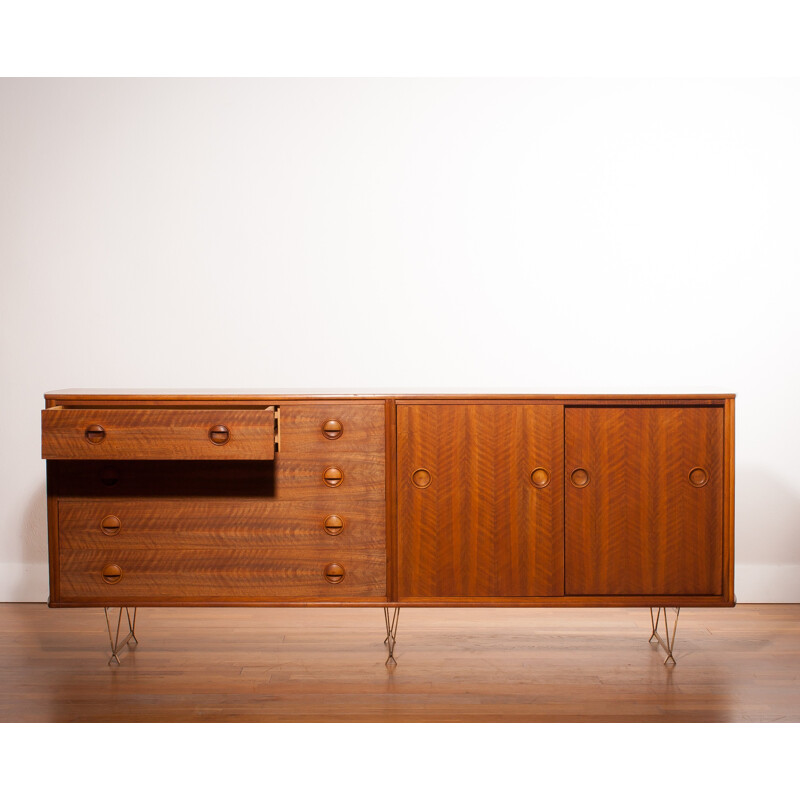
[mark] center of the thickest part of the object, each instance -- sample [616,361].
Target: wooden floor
[470,665]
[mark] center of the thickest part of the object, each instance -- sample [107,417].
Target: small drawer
[222,575]
[158,434]
[328,430]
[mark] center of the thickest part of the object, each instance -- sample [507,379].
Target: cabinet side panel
[391,500]
[727,580]
[52,536]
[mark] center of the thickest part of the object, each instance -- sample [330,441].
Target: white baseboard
[754,583]
[24,583]
[767,583]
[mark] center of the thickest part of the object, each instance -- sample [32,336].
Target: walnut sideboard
[280,499]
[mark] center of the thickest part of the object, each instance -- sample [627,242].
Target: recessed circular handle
[219,434]
[112,573]
[95,434]
[332,429]
[579,477]
[110,525]
[698,477]
[332,476]
[109,476]
[421,478]
[333,524]
[334,573]
[540,477]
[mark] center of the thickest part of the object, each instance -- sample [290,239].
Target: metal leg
[666,641]
[113,638]
[654,623]
[391,633]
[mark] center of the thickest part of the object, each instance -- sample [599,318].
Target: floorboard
[454,665]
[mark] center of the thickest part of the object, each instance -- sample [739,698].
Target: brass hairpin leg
[114,640]
[666,641]
[391,633]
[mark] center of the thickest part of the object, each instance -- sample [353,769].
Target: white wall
[544,236]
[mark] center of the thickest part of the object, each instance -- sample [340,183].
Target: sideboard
[389,501]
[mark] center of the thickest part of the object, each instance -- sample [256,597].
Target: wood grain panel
[158,434]
[639,527]
[480,529]
[237,522]
[209,574]
[363,428]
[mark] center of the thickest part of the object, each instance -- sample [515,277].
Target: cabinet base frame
[665,642]
[114,638]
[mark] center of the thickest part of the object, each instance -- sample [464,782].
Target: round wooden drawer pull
[421,478]
[334,573]
[112,573]
[332,476]
[579,478]
[332,429]
[540,477]
[109,476]
[110,525]
[219,434]
[333,524]
[698,477]
[95,434]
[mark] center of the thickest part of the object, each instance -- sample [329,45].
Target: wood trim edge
[728,500]
[391,500]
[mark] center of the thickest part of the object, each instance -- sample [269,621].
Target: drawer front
[328,429]
[327,526]
[288,477]
[158,434]
[218,574]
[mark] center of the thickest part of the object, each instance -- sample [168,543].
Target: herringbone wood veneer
[639,526]
[481,528]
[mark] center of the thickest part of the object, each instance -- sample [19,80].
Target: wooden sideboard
[278,499]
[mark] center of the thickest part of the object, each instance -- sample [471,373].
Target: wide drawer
[158,434]
[288,477]
[325,525]
[217,574]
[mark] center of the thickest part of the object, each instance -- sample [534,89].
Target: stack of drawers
[198,508]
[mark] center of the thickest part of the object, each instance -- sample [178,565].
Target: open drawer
[158,434]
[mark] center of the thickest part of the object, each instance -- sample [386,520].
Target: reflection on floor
[307,664]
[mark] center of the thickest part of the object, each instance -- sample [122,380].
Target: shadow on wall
[33,584]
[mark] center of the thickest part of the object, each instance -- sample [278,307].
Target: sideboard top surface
[271,395]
